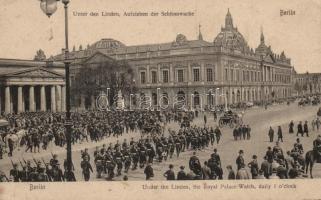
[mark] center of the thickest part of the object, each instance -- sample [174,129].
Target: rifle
[52,154]
[43,162]
[24,160]
[21,163]
[12,163]
[34,160]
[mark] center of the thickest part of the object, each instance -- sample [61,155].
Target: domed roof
[107,44]
[230,37]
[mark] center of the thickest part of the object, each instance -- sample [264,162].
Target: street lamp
[49,7]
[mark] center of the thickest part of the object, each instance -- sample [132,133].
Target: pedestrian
[291,125]
[231,173]
[149,172]
[240,160]
[206,171]
[205,119]
[313,124]
[271,134]
[248,132]
[266,167]
[318,123]
[300,129]
[170,174]
[235,133]
[306,129]
[280,134]
[242,173]
[254,166]
[181,175]
[218,134]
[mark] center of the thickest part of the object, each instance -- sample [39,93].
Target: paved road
[258,118]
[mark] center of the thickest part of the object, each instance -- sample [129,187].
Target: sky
[25,28]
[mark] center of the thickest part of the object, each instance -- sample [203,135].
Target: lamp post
[49,7]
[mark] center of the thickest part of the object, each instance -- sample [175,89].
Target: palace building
[196,71]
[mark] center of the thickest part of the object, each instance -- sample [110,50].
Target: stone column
[43,103]
[63,98]
[53,99]
[148,74]
[32,105]
[171,73]
[58,98]
[82,102]
[20,108]
[92,102]
[7,100]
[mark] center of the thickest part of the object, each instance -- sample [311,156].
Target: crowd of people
[153,147]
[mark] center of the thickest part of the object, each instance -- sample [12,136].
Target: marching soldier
[86,168]
[149,172]
[14,173]
[119,161]
[135,157]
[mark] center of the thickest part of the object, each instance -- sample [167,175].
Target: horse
[16,138]
[310,158]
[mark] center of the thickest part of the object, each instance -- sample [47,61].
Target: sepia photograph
[207,92]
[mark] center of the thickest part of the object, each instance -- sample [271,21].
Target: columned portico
[33,89]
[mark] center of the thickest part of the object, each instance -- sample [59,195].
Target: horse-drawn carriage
[230,119]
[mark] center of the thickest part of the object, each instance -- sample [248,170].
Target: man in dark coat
[240,160]
[280,134]
[306,129]
[181,175]
[170,174]
[300,129]
[149,172]
[271,134]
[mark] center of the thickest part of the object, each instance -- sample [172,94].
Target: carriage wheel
[221,123]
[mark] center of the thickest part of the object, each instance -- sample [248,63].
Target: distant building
[193,71]
[307,83]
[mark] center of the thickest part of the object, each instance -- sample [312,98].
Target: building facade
[307,83]
[29,86]
[197,71]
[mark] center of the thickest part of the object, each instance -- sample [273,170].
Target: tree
[94,78]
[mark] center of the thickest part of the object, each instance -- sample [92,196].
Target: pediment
[97,57]
[35,72]
[269,59]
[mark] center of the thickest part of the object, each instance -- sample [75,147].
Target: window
[232,75]
[165,76]
[142,77]
[154,77]
[237,75]
[196,73]
[209,75]
[180,75]
[226,74]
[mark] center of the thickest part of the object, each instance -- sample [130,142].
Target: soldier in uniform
[134,156]
[86,168]
[300,129]
[149,172]
[14,173]
[54,161]
[119,161]
[178,146]
[57,175]
[212,136]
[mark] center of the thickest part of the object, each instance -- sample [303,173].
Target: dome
[230,37]
[107,44]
